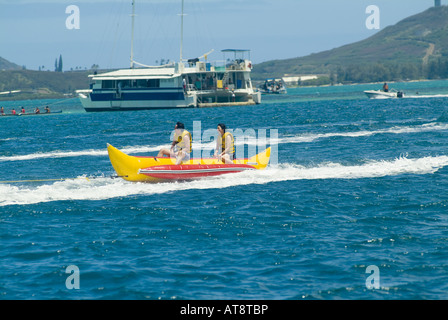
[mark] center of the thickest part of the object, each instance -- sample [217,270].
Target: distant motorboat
[273,86]
[380,94]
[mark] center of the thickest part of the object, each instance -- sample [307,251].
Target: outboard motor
[399,94]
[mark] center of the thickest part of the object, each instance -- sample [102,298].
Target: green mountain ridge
[41,84]
[412,43]
[6,65]
[413,49]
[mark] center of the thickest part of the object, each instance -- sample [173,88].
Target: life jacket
[180,143]
[232,144]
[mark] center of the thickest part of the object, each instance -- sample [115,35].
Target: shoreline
[27,96]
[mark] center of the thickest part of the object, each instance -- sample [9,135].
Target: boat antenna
[132,40]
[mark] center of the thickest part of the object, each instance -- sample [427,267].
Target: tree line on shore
[393,71]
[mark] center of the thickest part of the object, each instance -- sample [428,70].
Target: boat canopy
[133,74]
[235,50]
[241,52]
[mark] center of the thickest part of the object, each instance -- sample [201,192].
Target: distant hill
[416,47]
[41,84]
[6,65]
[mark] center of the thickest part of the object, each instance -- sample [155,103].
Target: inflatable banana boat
[153,169]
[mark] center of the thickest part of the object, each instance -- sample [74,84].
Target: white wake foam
[303,138]
[70,154]
[106,188]
[425,96]
[428,127]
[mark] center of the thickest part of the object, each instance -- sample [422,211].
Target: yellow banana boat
[153,169]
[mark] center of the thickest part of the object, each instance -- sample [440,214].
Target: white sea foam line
[428,127]
[106,188]
[69,154]
[364,133]
[427,96]
[248,141]
[54,154]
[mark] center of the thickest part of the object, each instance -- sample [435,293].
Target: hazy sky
[35,33]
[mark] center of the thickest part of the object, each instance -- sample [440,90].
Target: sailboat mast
[132,40]
[181,31]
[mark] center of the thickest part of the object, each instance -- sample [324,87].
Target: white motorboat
[273,86]
[380,94]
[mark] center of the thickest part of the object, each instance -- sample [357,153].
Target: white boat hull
[189,101]
[90,105]
[378,94]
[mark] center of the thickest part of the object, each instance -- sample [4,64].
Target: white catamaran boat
[188,83]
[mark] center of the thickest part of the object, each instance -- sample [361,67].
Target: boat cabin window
[140,83]
[146,83]
[108,84]
[124,84]
[153,83]
[170,83]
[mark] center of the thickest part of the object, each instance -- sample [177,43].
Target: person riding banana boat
[181,145]
[225,145]
[175,163]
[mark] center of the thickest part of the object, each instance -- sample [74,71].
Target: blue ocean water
[356,183]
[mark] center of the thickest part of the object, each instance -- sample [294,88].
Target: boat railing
[219,66]
[233,65]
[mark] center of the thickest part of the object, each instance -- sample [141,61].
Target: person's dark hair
[223,126]
[180,125]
